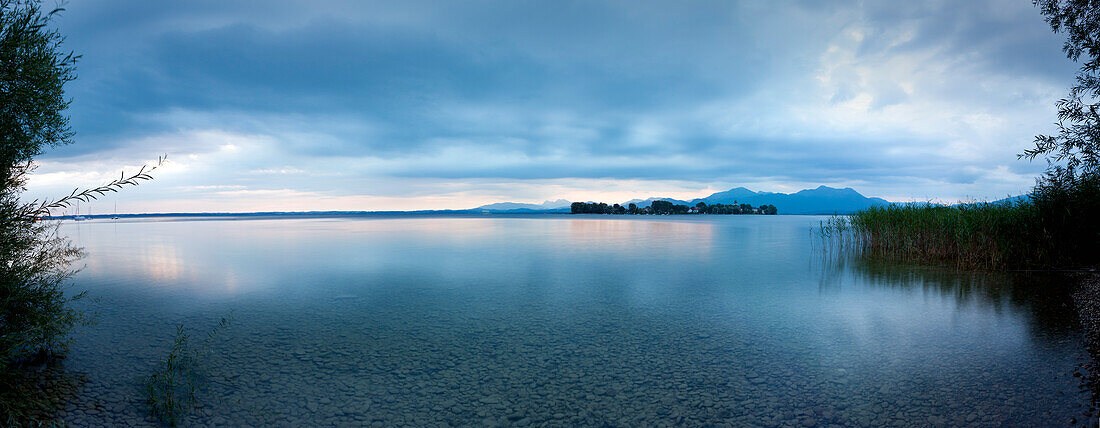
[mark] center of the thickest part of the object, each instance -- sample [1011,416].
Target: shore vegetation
[172,391]
[36,314]
[1052,228]
[666,207]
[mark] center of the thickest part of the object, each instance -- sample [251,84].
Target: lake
[562,320]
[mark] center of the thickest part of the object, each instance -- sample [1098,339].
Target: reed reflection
[1043,299]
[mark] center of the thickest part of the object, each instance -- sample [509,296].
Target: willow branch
[144,174]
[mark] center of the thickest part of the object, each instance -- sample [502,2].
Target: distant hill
[558,205]
[727,197]
[648,202]
[822,200]
[1013,199]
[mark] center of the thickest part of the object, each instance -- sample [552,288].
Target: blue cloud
[716,92]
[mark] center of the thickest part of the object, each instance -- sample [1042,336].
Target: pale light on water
[564,320]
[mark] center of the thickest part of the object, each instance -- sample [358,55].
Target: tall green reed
[977,235]
[173,389]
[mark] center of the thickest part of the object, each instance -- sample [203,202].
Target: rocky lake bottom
[560,321]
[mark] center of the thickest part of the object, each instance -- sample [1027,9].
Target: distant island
[666,208]
[822,200]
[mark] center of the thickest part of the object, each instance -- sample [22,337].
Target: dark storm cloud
[715,90]
[399,77]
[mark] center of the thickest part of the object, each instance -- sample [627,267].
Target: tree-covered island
[666,207]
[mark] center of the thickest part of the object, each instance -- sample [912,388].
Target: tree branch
[43,208]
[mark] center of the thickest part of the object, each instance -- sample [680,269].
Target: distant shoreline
[305,214]
[293,214]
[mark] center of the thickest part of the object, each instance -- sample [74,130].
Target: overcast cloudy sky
[270,105]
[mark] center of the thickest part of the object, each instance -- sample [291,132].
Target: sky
[296,106]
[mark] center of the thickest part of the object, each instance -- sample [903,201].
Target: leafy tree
[33,72]
[661,207]
[1067,194]
[1075,149]
[33,259]
[591,208]
[632,207]
[35,314]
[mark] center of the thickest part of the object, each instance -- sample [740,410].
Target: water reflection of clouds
[599,234]
[230,257]
[447,229]
[161,256]
[162,263]
[630,235]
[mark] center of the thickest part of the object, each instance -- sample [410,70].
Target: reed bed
[978,235]
[1056,227]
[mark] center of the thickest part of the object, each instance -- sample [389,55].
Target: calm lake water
[563,320]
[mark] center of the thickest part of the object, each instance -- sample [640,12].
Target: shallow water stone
[573,342]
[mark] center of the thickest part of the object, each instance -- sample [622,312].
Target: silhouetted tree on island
[661,207]
[668,208]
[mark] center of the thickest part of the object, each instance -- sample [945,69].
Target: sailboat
[115,215]
[78,217]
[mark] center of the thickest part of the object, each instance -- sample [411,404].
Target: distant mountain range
[558,205]
[822,200]
[1013,199]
